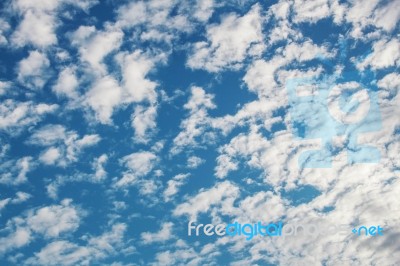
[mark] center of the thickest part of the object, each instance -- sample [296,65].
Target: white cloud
[14,172]
[157,16]
[386,53]
[229,43]
[39,21]
[139,164]
[33,71]
[204,9]
[193,162]
[163,235]
[36,28]
[67,83]
[194,125]
[4,87]
[387,16]
[63,147]
[173,186]
[21,197]
[98,164]
[62,252]
[310,11]
[4,27]
[50,156]
[51,221]
[222,194]
[95,45]
[103,98]
[16,116]
[135,67]
[144,122]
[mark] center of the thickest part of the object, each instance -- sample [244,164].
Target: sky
[122,121]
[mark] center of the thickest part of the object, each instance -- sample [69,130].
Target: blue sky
[121,121]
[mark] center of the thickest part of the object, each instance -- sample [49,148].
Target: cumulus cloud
[139,164]
[229,43]
[386,53]
[14,172]
[194,162]
[33,70]
[62,146]
[222,194]
[103,98]
[194,125]
[16,116]
[94,45]
[67,83]
[63,252]
[173,186]
[49,222]
[163,235]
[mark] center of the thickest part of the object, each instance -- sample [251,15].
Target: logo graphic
[343,104]
[369,231]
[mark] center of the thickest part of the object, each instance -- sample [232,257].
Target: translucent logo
[343,104]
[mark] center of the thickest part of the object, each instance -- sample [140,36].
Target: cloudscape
[199,132]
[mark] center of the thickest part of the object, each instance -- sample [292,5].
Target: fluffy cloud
[103,98]
[66,84]
[14,172]
[33,70]
[229,43]
[94,45]
[62,252]
[386,53]
[222,194]
[15,116]
[139,164]
[39,21]
[163,235]
[173,186]
[49,222]
[62,147]
[194,125]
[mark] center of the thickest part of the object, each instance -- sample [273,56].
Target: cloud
[63,147]
[144,122]
[94,45]
[135,67]
[40,21]
[33,71]
[229,43]
[161,22]
[194,125]
[4,87]
[16,116]
[54,220]
[62,252]
[14,172]
[193,162]
[103,98]
[386,53]
[48,222]
[163,235]
[36,28]
[222,194]
[173,186]
[310,11]
[67,83]
[98,164]
[139,164]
